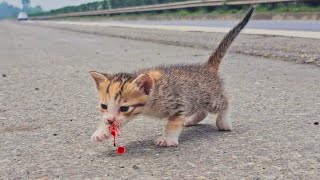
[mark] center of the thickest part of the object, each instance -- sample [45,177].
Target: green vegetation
[290,7]
[30,10]
[279,8]
[25,4]
[34,10]
[312,6]
[107,4]
[7,10]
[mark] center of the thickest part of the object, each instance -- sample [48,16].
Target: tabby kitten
[184,94]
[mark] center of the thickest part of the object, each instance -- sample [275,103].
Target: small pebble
[36,89]
[316,123]
[135,167]
[55,134]
[121,166]
[4,75]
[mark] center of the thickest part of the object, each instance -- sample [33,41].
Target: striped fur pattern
[184,94]
[221,50]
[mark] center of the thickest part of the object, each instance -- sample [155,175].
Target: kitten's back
[186,89]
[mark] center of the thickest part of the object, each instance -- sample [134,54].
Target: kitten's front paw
[166,142]
[99,136]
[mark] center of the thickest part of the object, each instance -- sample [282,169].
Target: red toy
[121,150]
[114,130]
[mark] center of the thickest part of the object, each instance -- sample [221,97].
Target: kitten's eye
[124,108]
[103,106]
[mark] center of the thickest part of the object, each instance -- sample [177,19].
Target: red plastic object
[113,133]
[114,129]
[121,150]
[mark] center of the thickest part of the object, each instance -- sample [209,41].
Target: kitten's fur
[184,94]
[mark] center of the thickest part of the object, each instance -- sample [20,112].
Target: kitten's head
[121,96]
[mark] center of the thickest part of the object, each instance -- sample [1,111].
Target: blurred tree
[106,4]
[35,10]
[7,10]
[25,5]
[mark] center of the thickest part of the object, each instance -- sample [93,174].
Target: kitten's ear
[98,77]
[144,83]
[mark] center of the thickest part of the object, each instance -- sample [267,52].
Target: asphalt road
[297,25]
[48,111]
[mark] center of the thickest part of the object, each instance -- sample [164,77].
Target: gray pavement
[295,25]
[186,28]
[48,111]
[299,50]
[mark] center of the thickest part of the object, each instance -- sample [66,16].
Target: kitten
[184,94]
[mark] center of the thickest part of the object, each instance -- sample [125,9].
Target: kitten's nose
[110,120]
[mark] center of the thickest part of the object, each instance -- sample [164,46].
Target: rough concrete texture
[299,50]
[48,111]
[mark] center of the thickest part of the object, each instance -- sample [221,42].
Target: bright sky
[49,4]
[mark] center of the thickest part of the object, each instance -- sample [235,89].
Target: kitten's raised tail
[216,57]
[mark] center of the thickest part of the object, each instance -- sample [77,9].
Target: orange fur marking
[155,74]
[175,123]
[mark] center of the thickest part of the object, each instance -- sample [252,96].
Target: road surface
[48,111]
[295,25]
[185,27]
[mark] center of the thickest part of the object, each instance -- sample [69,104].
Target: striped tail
[216,57]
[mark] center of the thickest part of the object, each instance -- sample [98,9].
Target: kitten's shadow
[189,136]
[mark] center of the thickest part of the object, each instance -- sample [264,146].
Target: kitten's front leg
[101,133]
[173,129]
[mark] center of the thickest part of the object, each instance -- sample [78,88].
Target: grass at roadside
[281,8]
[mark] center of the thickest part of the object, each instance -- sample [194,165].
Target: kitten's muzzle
[110,120]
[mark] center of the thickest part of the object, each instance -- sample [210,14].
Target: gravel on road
[48,111]
[299,50]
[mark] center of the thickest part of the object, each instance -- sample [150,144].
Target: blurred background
[157,9]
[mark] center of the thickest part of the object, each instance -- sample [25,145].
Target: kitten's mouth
[117,124]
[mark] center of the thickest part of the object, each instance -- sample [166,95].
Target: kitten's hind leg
[223,122]
[221,106]
[173,129]
[195,118]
